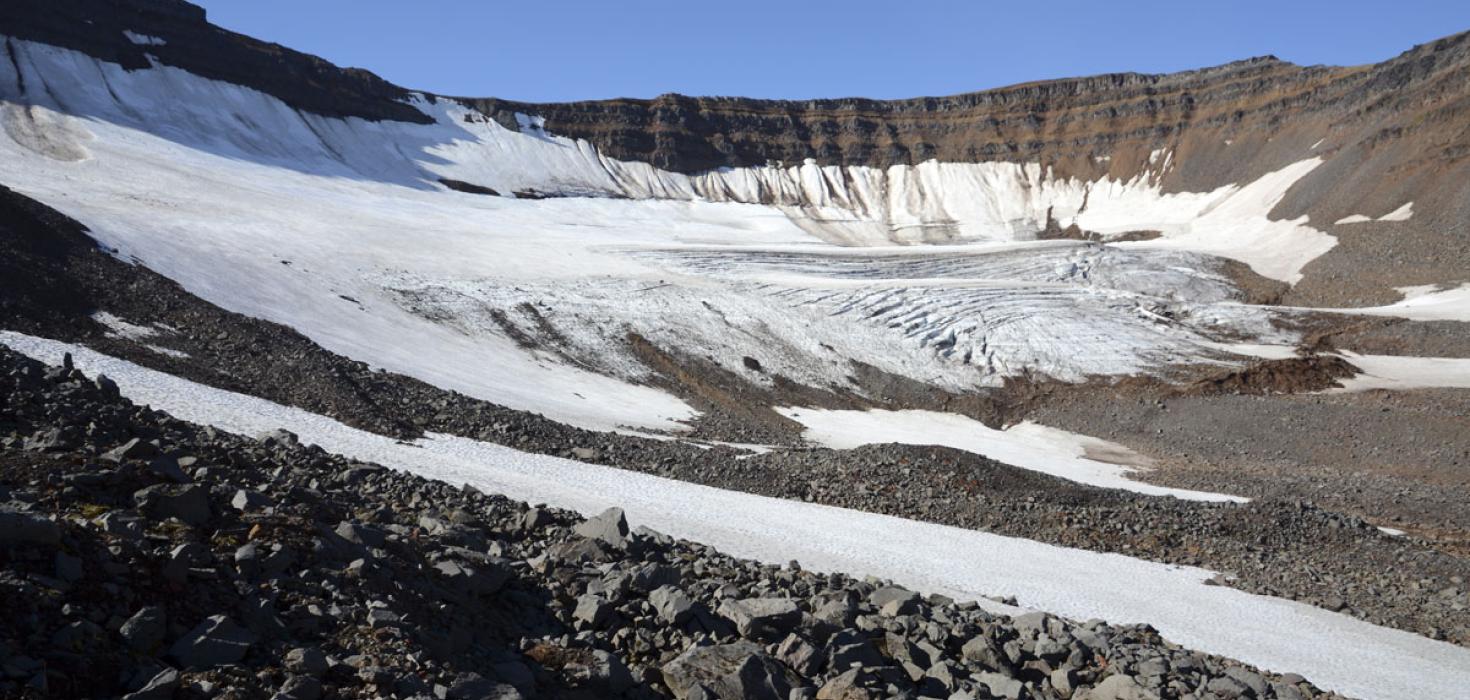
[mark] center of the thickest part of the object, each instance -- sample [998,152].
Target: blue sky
[540,51]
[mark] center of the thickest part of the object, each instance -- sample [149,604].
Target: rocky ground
[145,556]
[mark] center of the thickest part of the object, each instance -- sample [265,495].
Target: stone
[168,468]
[1001,685]
[19,527]
[1117,687]
[247,501]
[738,670]
[609,526]
[145,630]
[847,685]
[592,612]
[135,448]
[893,601]
[68,567]
[672,604]
[160,687]
[217,641]
[299,687]
[766,619]
[188,503]
[305,660]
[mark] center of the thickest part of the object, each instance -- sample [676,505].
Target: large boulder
[217,641]
[20,527]
[188,503]
[609,526]
[765,619]
[739,670]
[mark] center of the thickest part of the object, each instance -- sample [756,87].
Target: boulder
[217,641]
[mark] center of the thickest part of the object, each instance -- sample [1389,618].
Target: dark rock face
[1059,122]
[190,42]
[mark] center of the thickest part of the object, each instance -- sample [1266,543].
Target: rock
[19,527]
[1250,679]
[1001,685]
[1227,687]
[361,535]
[1117,687]
[248,501]
[609,526]
[592,612]
[672,605]
[766,619]
[600,671]
[188,503]
[217,641]
[847,685]
[739,670]
[135,448]
[299,688]
[535,519]
[145,630]
[305,660]
[893,601]
[586,454]
[68,567]
[799,655]
[160,687]
[168,468]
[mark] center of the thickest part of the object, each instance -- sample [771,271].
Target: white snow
[1402,373]
[216,186]
[1422,303]
[120,328]
[1333,650]
[1026,445]
[1403,213]
[143,39]
[1314,146]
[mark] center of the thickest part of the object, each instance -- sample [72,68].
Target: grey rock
[249,501]
[216,641]
[592,612]
[160,687]
[19,527]
[609,526]
[68,567]
[1001,685]
[1117,687]
[892,600]
[145,630]
[135,448]
[306,660]
[739,670]
[767,619]
[672,605]
[188,503]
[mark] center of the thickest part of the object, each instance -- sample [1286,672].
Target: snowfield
[1332,650]
[340,229]
[1026,445]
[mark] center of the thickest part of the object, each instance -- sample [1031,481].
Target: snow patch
[143,39]
[1400,373]
[1028,445]
[1403,213]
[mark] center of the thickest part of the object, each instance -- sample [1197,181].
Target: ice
[1333,650]
[1027,445]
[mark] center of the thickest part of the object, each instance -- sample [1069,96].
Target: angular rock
[739,670]
[766,619]
[217,641]
[188,503]
[19,527]
[145,630]
[609,526]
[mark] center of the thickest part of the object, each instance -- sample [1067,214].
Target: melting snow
[1027,445]
[1403,213]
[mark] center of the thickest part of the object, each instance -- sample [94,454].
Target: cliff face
[1068,124]
[136,33]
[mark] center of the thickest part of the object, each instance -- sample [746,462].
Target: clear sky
[586,49]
